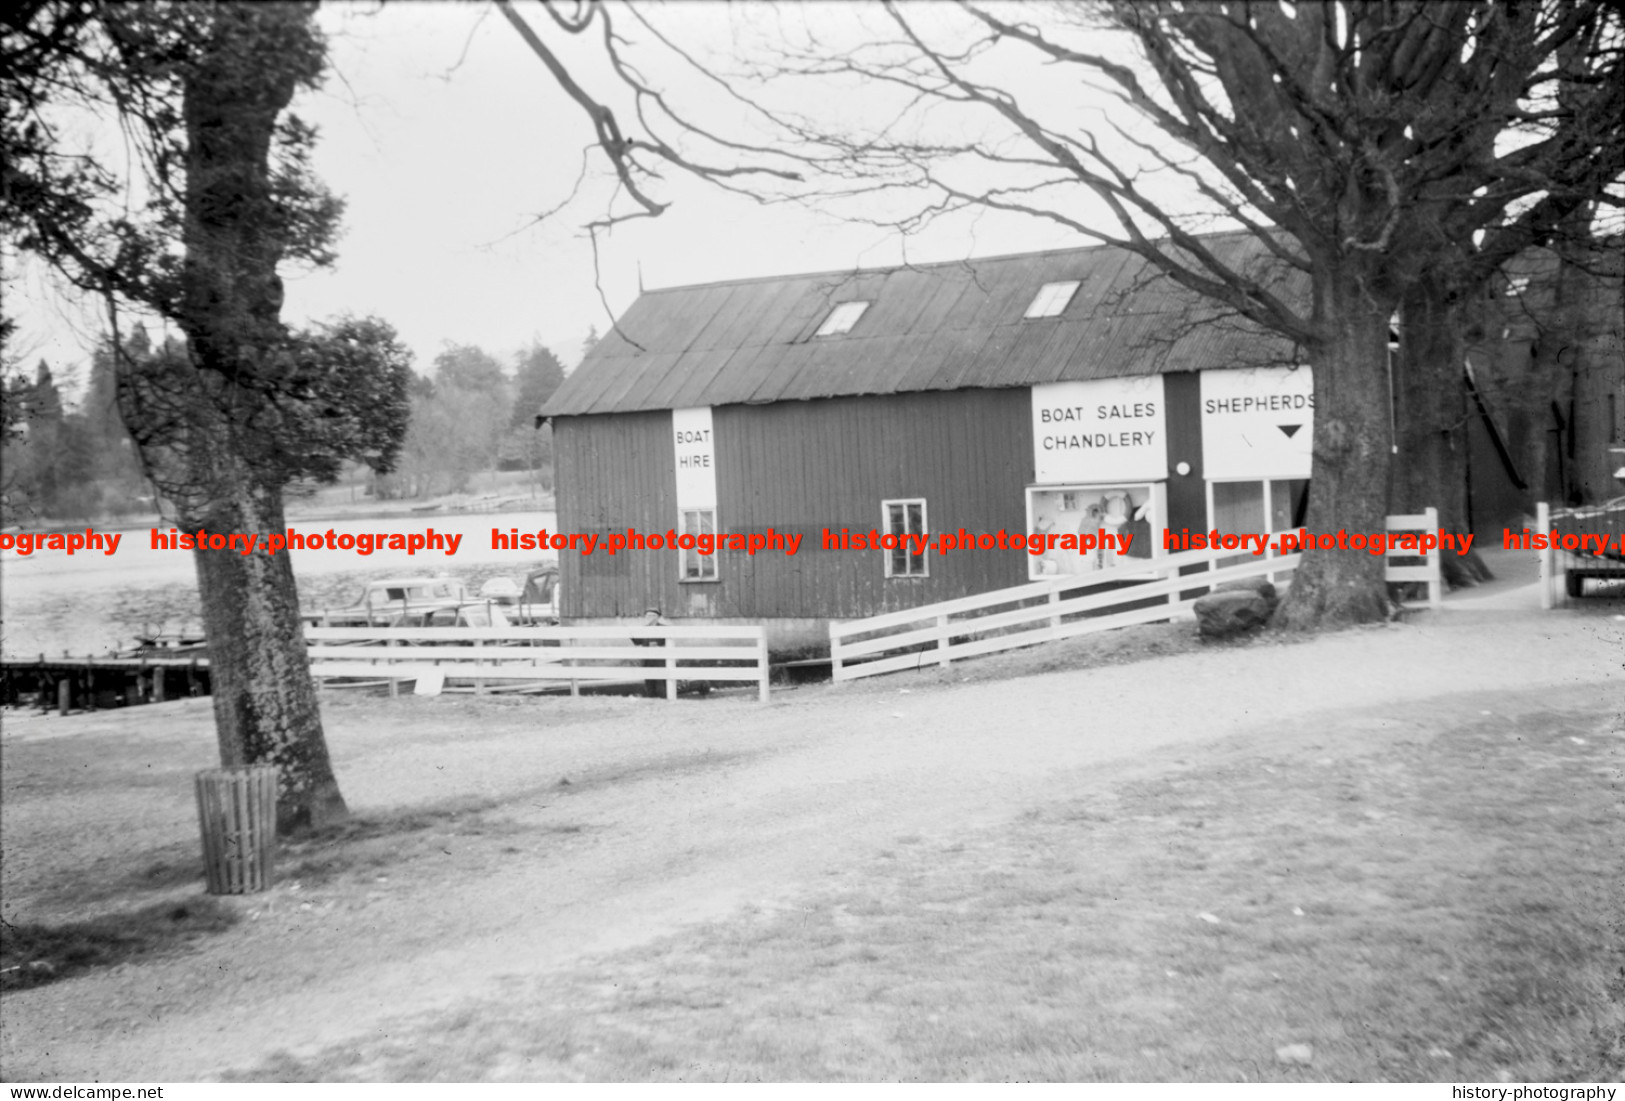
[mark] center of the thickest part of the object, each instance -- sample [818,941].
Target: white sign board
[1257,422]
[694,452]
[1108,430]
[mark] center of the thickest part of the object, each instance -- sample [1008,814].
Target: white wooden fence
[1422,567]
[1563,572]
[509,659]
[1064,607]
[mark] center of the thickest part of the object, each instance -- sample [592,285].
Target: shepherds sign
[1257,422]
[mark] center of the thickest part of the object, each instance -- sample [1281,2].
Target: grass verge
[1450,910]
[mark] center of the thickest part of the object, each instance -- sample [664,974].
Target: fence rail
[1058,608]
[493,659]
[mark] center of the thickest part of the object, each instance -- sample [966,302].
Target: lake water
[90,602]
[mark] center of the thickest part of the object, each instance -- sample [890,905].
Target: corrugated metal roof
[950,326]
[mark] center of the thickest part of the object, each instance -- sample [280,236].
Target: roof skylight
[842,318]
[1052,299]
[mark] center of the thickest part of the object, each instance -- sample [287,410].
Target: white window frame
[705,565]
[1269,506]
[914,565]
[1156,493]
[1052,299]
[842,317]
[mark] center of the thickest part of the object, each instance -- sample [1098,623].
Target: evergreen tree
[539,374]
[45,400]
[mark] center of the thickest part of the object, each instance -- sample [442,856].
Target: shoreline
[391,511]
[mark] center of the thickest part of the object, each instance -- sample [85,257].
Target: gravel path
[678,813]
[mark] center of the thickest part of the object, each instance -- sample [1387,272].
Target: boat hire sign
[1257,422]
[1106,430]
[694,452]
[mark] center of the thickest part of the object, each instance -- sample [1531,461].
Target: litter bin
[237,813]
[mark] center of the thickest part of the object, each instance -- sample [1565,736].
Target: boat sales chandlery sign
[1107,430]
[1257,422]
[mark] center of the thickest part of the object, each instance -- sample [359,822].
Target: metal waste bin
[237,813]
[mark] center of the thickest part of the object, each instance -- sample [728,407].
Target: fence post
[1435,570]
[834,653]
[671,667]
[1055,618]
[761,661]
[1543,526]
[942,639]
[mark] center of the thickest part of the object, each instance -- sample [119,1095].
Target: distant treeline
[69,462]
[472,415]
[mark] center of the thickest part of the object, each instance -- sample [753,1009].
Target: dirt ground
[548,832]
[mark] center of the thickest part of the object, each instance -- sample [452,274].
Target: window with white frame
[702,524]
[904,518]
[1267,507]
[1074,530]
[842,318]
[1052,299]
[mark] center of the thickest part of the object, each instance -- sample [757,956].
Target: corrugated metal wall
[615,472]
[799,467]
[808,466]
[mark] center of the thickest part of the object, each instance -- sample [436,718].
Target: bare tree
[1357,140]
[1570,128]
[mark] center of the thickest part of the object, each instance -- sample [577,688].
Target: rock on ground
[1226,614]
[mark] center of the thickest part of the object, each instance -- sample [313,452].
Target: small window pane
[697,566]
[1287,501]
[904,518]
[842,318]
[1052,299]
[1238,509]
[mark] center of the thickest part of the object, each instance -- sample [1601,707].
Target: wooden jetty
[90,683]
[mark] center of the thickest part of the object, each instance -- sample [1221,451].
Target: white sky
[445,135]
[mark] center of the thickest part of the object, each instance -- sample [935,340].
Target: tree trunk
[236,233]
[1431,414]
[1562,331]
[1348,487]
[265,708]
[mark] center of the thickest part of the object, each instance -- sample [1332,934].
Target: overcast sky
[446,135]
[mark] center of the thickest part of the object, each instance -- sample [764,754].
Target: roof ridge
[962,262]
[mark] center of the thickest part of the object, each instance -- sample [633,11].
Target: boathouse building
[1069,392]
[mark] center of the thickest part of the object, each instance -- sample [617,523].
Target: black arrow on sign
[1290,429]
